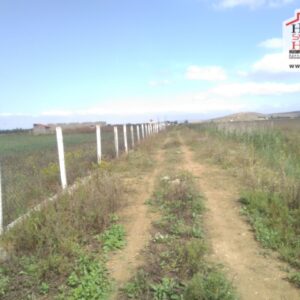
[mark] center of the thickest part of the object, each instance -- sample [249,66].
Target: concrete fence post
[61,157]
[116,141]
[99,146]
[125,137]
[143,132]
[138,133]
[132,136]
[1,205]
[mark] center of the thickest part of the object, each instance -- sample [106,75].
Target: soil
[255,274]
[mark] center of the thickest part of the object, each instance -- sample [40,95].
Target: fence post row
[61,157]
[125,137]
[116,141]
[142,131]
[99,146]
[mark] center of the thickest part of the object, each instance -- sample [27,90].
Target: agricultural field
[30,170]
[192,213]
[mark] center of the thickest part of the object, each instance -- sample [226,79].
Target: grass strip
[175,264]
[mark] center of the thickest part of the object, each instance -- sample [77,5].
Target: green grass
[274,223]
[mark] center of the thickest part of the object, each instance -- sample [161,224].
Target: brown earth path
[137,219]
[233,244]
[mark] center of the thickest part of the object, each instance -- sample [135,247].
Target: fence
[33,168]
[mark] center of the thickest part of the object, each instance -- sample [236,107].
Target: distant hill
[244,116]
[289,115]
[253,116]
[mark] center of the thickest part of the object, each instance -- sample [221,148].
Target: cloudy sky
[131,60]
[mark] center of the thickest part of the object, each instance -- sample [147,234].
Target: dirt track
[137,220]
[255,276]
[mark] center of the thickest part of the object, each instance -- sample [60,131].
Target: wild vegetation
[61,251]
[267,162]
[175,265]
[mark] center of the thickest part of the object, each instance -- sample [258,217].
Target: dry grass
[267,164]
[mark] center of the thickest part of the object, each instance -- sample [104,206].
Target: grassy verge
[267,163]
[60,252]
[45,248]
[175,264]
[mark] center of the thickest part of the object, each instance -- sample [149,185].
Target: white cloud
[274,43]
[13,115]
[60,113]
[273,63]
[237,90]
[252,3]
[163,82]
[210,73]
[229,97]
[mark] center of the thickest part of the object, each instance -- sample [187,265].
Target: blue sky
[131,60]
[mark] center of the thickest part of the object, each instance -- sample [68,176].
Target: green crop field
[30,170]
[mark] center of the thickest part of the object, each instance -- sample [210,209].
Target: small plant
[295,278]
[113,238]
[89,280]
[138,287]
[167,289]
[4,282]
[44,288]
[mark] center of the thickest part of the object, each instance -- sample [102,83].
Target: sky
[128,61]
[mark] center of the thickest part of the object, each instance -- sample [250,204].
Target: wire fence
[36,167]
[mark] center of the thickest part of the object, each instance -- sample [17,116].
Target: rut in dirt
[254,275]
